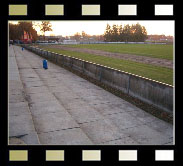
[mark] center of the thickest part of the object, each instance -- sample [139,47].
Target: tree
[120,32]
[133,33]
[144,32]
[83,34]
[139,33]
[108,33]
[77,36]
[114,33]
[127,33]
[28,27]
[25,26]
[34,34]
[16,31]
[45,26]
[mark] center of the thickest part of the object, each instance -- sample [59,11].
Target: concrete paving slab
[46,75]
[53,122]
[162,127]
[46,107]
[102,131]
[51,81]
[92,97]
[114,99]
[30,79]
[33,84]
[15,91]
[15,85]
[96,102]
[16,111]
[16,141]
[171,140]
[73,136]
[142,116]
[22,63]
[37,89]
[67,97]
[39,97]
[145,135]
[124,120]
[20,125]
[85,114]
[74,104]
[33,76]
[106,109]
[59,89]
[28,71]
[29,75]
[56,84]
[16,98]
[123,141]
[31,139]
[13,76]
[69,100]
[15,105]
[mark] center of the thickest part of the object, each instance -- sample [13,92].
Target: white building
[70,42]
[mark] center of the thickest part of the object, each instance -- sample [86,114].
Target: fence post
[100,75]
[83,66]
[128,84]
[56,58]
[71,62]
[63,60]
[47,55]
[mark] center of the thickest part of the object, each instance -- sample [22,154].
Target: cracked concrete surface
[56,107]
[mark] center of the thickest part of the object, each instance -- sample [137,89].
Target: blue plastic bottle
[45,64]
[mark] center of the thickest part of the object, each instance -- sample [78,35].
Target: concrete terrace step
[21,126]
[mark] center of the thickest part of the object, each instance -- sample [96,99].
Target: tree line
[16,31]
[118,33]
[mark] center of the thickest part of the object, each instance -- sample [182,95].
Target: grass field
[157,73]
[149,50]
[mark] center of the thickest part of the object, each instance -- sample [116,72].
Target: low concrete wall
[149,91]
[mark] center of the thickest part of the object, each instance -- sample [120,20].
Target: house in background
[26,38]
[159,38]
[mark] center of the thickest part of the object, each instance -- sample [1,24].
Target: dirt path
[136,58]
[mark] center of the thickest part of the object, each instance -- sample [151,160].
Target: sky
[68,28]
